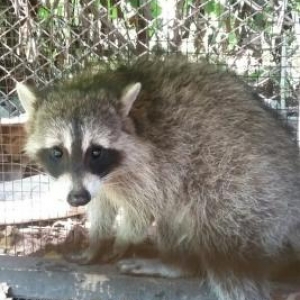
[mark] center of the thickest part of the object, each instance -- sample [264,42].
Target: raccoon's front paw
[149,267]
[101,251]
[117,252]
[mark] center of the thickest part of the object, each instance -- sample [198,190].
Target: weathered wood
[33,278]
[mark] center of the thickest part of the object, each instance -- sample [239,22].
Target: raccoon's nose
[79,197]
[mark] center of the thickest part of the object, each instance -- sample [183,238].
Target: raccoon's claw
[86,259]
[111,257]
[105,253]
[149,267]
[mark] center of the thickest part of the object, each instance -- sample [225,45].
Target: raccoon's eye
[56,152]
[96,152]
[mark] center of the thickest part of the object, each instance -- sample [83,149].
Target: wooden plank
[33,278]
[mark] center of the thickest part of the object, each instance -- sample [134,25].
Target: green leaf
[111,9]
[155,8]
[135,3]
[186,5]
[113,13]
[213,7]
[255,75]
[210,7]
[43,13]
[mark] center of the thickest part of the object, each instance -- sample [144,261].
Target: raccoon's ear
[129,96]
[26,96]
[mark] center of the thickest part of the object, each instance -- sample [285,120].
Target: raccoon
[181,143]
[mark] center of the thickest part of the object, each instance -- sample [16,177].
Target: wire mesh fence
[44,40]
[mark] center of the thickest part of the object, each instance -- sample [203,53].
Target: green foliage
[43,13]
[155,9]
[186,5]
[295,5]
[210,27]
[254,76]
[213,7]
[111,8]
[135,3]
[232,40]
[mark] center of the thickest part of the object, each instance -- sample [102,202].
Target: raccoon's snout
[79,197]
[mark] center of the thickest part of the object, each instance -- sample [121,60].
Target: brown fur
[217,172]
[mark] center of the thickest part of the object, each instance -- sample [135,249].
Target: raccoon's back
[193,109]
[226,147]
[196,102]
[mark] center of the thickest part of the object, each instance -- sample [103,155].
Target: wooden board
[35,278]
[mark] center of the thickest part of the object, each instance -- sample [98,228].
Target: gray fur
[217,172]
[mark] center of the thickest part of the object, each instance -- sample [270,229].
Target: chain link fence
[41,40]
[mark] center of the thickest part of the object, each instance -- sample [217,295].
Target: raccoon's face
[79,158]
[75,139]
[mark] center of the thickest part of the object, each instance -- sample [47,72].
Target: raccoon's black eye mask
[100,161]
[54,160]
[97,160]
